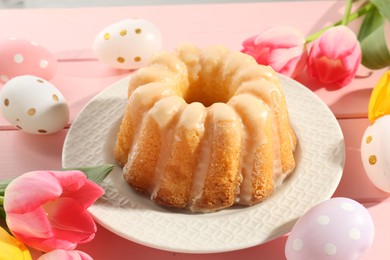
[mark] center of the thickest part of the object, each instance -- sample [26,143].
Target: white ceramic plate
[320,161]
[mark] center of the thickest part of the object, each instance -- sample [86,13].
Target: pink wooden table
[69,33]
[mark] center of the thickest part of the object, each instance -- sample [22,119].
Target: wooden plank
[22,152]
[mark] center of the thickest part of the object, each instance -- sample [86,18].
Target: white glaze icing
[148,94]
[222,112]
[202,167]
[166,113]
[277,162]
[253,113]
[142,99]
[215,113]
[263,89]
[189,54]
[193,116]
[164,110]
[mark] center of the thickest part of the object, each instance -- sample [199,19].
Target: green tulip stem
[2,212]
[350,17]
[347,13]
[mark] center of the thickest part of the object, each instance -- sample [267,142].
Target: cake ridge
[201,169]
[246,105]
[221,172]
[169,109]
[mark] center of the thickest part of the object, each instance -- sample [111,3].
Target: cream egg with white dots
[127,44]
[33,105]
[375,153]
[22,57]
[335,229]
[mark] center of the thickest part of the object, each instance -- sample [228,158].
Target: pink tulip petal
[286,61]
[33,194]
[70,221]
[353,60]
[261,56]
[338,42]
[70,180]
[334,57]
[76,185]
[87,194]
[70,225]
[30,224]
[280,37]
[331,70]
[46,245]
[281,47]
[65,255]
[250,42]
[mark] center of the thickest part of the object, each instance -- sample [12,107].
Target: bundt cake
[205,129]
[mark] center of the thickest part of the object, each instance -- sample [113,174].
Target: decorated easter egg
[338,228]
[22,57]
[127,44]
[33,105]
[379,103]
[375,153]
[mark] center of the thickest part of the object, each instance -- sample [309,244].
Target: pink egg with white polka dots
[21,57]
[336,229]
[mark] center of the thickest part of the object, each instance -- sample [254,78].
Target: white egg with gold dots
[375,152]
[127,44]
[33,105]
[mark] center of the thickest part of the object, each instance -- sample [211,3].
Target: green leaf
[2,212]
[371,22]
[375,54]
[94,173]
[383,7]
[3,185]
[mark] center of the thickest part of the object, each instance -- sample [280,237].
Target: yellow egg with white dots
[375,152]
[33,105]
[127,44]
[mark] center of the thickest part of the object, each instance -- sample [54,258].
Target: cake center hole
[208,92]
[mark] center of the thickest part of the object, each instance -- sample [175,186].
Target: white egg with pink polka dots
[33,105]
[21,57]
[336,229]
[127,44]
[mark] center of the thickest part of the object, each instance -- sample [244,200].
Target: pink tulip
[46,210]
[281,47]
[335,57]
[60,254]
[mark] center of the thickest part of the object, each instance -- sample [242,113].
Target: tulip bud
[47,210]
[281,47]
[60,254]
[334,57]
